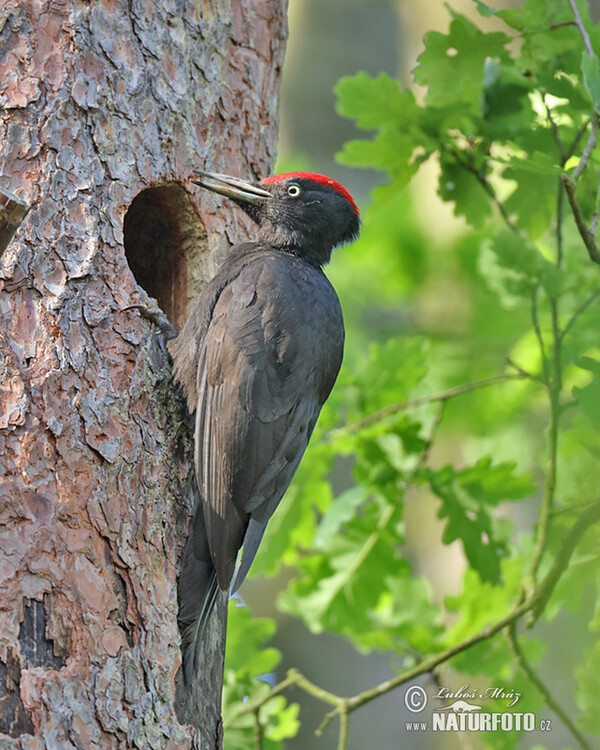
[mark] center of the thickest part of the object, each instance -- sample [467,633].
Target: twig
[559,224]
[344,721]
[12,213]
[554,127]
[481,178]
[547,504]
[535,603]
[579,311]
[589,147]
[258,731]
[582,30]
[534,678]
[596,215]
[535,321]
[578,137]
[573,506]
[525,373]
[586,235]
[571,539]
[293,677]
[343,712]
[424,457]
[429,664]
[554,26]
[392,409]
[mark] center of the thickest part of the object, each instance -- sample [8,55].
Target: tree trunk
[106,108]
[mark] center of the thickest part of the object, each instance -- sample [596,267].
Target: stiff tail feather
[197,594]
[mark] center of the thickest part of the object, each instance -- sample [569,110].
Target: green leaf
[590,68]
[374,102]
[279,720]
[379,103]
[507,110]
[406,613]
[533,200]
[391,150]
[342,582]
[342,510]
[468,496]
[519,268]
[485,10]
[245,658]
[481,603]
[461,187]
[452,65]
[578,458]
[588,397]
[245,653]
[389,374]
[588,680]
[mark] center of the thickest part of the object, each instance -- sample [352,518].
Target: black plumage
[257,359]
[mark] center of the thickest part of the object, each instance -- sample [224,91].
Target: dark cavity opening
[165,246]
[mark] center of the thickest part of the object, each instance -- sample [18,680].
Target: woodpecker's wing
[267,362]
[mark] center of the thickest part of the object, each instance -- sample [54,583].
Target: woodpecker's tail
[197,594]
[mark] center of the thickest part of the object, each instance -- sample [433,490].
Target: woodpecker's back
[257,359]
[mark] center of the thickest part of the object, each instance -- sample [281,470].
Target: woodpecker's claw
[154,314]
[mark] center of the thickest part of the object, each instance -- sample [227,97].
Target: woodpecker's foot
[152,312]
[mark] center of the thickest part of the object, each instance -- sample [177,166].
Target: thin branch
[596,215]
[344,721]
[524,373]
[343,706]
[571,539]
[578,136]
[293,677]
[343,712]
[554,127]
[258,731]
[562,24]
[547,504]
[579,311]
[574,506]
[587,151]
[392,409]
[481,178]
[543,690]
[582,30]
[535,321]
[559,224]
[586,235]
[424,457]
[429,664]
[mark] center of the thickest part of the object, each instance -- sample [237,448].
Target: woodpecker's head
[303,213]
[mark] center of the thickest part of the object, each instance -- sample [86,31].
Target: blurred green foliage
[513,292]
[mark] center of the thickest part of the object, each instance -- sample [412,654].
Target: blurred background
[411,272]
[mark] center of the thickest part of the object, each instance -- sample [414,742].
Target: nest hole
[165,246]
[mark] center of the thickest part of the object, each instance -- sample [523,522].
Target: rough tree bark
[106,106]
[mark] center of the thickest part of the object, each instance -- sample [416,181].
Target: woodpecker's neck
[296,243]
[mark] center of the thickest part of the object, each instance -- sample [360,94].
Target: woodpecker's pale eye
[293,191]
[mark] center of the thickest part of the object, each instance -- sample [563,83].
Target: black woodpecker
[257,359]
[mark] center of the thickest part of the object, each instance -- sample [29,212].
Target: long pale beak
[232,187]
